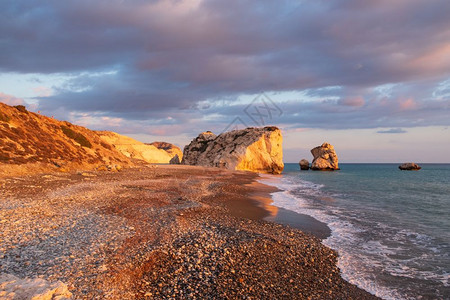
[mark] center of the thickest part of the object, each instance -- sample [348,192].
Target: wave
[361,257]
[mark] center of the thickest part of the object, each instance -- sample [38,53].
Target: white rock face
[12,288]
[134,149]
[169,148]
[325,158]
[252,149]
[192,153]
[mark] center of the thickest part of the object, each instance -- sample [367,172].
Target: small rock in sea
[409,167]
[304,164]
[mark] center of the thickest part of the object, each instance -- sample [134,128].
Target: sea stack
[409,167]
[251,149]
[325,158]
[304,164]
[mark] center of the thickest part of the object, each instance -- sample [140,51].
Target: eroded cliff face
[31,143]
[134,149]
[251,149]
[325,158]
[171,149]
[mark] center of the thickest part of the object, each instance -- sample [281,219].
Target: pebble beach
[159,232]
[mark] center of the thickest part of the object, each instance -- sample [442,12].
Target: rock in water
[304,164]
[251,149]
[175,160]
[325,158]
[409,167]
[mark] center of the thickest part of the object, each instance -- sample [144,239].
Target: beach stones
[304,164]
[325,158]
[409,167]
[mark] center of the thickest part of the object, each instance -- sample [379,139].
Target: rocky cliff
[169,148]
[134,149]
[32,143]
[251,149]
[325,158]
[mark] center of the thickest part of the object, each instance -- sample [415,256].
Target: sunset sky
[372,77]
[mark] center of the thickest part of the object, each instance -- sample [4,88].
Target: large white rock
[325,158]
[252,149]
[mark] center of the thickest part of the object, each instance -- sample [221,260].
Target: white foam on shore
[355,268]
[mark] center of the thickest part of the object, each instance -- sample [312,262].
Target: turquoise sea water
[391,228]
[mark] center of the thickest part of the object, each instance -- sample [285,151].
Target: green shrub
[21,108]
[4,158]
[106,146]
[4,118]
[76,136]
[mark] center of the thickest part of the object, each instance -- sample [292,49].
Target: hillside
[135,149]
[32,143]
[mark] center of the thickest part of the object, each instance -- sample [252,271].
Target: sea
[391,228]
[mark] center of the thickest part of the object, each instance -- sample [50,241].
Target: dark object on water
[409,167]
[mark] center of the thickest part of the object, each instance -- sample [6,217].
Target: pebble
[120,236]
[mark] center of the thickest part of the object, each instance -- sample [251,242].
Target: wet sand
[258,206]
[160,232]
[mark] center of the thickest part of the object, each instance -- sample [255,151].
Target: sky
[371,77]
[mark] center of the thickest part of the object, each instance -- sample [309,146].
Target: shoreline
[262,197]
[157,231]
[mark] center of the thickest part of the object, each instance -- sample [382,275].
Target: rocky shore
[159,232]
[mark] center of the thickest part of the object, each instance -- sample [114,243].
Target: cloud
[142,61]
[393,130]
[10,100]
[407,104]
[42,91]
[353,101]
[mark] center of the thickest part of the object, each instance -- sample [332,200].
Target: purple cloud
[169,56]
[393,130]
[10,100]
